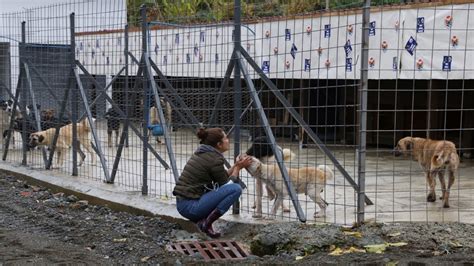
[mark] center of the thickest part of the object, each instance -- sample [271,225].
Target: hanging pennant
[266,67]
[327,30]
[92,53]
[108,60]
[196,50]
[217,59]
[176,39]
[293,51]
[420,24]
[202,36]
[348,48]
[165,60]
[188,58]
[372,28]
[97,43]
[287,35]
[307,64]
[395,63]
[119,41]
[348,64]
[411,45]
[81,46]
[447,63]
[156,48]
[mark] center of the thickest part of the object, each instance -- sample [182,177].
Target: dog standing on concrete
[307,180]
[64,142]
[113,125]
[434,157]
[261,149]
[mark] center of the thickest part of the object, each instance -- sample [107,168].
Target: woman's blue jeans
[220,199]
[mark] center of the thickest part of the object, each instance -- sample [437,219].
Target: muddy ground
[41,227]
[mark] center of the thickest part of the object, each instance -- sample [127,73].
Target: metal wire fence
[333,88]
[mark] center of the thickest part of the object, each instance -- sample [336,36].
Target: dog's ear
[40,138]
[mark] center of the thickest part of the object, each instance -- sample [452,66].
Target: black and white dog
[261,149]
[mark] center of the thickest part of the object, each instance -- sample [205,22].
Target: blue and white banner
[307,64]
[287,35]
[372,28]
[348,48]
[293,51]
[196,50]
[348,64]
[447,63]
[266,67]
[327,30]
[420,24]
[411,45]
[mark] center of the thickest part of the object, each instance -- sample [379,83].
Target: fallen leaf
[455,244]
[336,252]
[339,251]
[355,250]
[355,234]
[120,239]
[145,259]
[394,234]
[379,248]
[299,257]
[398,244]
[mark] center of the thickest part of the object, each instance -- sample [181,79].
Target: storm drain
[211,250]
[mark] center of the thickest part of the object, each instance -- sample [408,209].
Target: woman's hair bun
[202,133]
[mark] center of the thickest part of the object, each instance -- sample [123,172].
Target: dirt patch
[37,226]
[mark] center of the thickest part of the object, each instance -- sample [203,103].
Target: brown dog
[45,138]
[434,156]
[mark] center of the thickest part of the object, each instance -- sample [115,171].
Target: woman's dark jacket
[203,172]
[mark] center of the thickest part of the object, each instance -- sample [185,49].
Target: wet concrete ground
[395,185]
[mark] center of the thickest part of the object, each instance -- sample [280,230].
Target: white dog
[307,180]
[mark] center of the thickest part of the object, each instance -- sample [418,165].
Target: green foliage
[206,11]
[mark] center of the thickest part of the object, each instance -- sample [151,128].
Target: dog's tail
[86,125]
[447,156]
[288,155]
[327,171]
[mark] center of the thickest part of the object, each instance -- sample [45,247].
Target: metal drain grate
[211,250]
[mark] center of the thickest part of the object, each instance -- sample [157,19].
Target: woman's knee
[235,188]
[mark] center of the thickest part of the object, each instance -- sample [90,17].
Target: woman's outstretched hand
[243,161]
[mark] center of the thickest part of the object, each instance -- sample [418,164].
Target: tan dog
[434,156]
[307,180]
[45,138]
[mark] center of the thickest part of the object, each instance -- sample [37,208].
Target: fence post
[145,101]
[364,79]
[74,104]
[237,90]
